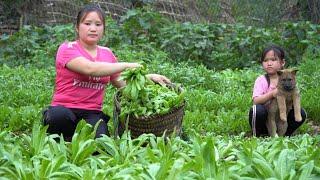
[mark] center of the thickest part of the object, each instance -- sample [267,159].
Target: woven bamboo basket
[156,124]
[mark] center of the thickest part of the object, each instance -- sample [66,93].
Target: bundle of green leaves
[142,98]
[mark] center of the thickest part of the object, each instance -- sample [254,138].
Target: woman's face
[271,63]
[90,29]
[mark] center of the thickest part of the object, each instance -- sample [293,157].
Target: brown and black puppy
[288,97]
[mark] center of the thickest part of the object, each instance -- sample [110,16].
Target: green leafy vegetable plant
[142,97]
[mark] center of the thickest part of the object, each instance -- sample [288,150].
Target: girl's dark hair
[278,51]
[87,9]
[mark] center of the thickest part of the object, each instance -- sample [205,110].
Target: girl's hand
[159,78]
[274,93]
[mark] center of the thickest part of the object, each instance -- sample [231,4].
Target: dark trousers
[62,120]
[262,116]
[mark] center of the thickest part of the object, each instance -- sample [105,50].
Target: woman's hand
[159,79]
[133,65]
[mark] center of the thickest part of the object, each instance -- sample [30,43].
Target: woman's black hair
[87,9]
[278,51]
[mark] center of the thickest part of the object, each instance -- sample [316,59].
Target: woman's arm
[84,66]
[154,77]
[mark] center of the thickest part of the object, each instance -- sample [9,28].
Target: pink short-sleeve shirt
[74,90]
[261,87]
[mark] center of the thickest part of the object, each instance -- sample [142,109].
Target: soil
[315,128]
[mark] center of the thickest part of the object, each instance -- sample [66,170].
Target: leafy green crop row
[40,157]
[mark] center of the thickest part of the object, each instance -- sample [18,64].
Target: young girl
[272,59]
[83,68]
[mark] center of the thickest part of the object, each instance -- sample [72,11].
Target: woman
[83,68]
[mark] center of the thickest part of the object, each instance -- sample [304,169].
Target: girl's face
[90,29]
[271,63]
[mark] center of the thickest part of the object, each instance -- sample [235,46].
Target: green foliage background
[216,63]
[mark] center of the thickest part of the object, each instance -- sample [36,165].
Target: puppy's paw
[273,134]
[284,119]
[298,119]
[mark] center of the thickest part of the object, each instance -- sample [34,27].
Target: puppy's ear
[279,72]
[294,71]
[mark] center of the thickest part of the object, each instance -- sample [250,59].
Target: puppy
[288,97]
